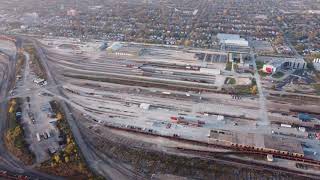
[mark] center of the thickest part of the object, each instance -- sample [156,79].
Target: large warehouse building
[238,48]
[232,40]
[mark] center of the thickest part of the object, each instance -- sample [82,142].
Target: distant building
[236,42]
[284,63]
[238,48]
[316,64]
[271,67]
[232,40]
[222,37]
[72,12]
[119,49]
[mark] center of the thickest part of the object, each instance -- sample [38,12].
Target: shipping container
[304,117]
[38,137]
[286,125]
[48,134]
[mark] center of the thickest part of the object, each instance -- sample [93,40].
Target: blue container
[304,117]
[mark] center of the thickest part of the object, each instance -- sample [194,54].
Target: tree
[279,40]
[81,167]
[59,116]
[56,158]
[310,66]
[312,35]
[66,159]
[70,148]
[11,109]
[68,140]
[300,47]
[13,102]
[16,132]
[187,43]
[254,90]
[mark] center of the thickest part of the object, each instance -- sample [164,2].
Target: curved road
[101,165]
[7,161]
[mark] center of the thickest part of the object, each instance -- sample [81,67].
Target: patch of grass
[259,65]
[230,80]
[246,89]
[263,74]
[310,66]
[278,74]
[253,82]
[243,89]
[228,66]
[235,66]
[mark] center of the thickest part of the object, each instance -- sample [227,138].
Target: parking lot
[39,126]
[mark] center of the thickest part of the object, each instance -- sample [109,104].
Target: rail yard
[160,90]
[187,97]
[181,95]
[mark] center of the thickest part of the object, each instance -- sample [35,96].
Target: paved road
[7,161]
[262,100]
[103,166]
[27,67]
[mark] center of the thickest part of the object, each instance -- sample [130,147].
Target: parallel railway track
[240,149]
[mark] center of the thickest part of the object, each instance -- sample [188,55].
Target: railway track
[259,166]
[113,77]
[144,83]
[243,149]
[223,156]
